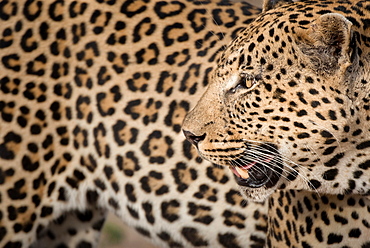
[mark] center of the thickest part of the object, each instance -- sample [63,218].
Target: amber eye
[246,81]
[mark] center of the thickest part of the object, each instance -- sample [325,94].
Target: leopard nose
[192,138]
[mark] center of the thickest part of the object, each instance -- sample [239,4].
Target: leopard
[92,97]
[287,111]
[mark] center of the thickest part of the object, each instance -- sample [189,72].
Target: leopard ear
[272,4]
[327,42]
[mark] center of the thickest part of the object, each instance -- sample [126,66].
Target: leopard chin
[256,194]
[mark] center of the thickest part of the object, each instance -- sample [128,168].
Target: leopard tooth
[243,173]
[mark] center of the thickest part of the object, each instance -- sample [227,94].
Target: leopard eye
[246,81]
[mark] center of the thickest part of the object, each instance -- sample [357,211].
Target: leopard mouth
[254,171]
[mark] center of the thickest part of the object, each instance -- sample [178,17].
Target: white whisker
[324,128]
[214,21]
[259,154]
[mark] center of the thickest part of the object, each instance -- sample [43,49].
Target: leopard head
[288,104]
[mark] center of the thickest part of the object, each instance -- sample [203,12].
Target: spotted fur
[92,96]
[287,110]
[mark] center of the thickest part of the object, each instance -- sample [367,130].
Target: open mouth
[259,166]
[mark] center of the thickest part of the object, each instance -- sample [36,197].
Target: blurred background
[116,234]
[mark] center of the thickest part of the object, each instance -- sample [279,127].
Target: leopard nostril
[193,138]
